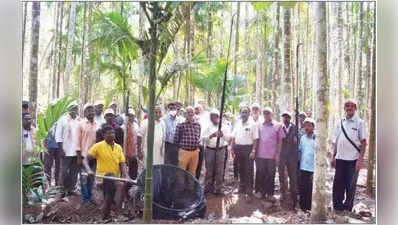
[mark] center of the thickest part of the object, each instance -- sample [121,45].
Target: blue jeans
[87,183]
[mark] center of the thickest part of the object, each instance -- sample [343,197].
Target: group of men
[102,143]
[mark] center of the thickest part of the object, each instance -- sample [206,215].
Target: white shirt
[356,131]
[70,137]
[245,133]
[60,127]
[99,120]
[259,121]
[28,144]
[212,142]
[158,142]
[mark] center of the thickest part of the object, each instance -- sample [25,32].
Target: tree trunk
[247,39]
[347,45]
[359,88]
[188,55]
[25,7]
[191,56]
[340,25]
[368,64]
[276,62]
[55,52]
[237,40]
[34,54]
[372,133]
[355,43]
[141,64]
[60,47]
[82,61]
[318,211]
[69,46]
[209,34]
[306,59]
[259,61]
[286,100]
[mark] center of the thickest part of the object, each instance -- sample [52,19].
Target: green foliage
[287,4]
[33,177]
[260,6]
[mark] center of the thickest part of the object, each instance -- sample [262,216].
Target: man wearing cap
[349,150]
[267,155]
[131,130]
[302,116]
[118,118]
[244,143]
[170,122]
[158,139]
[69,168]
[214,156]
[307,162]
[187,137]
[99,118]
[86,136]
[288,160]
[256,114]
[110,120]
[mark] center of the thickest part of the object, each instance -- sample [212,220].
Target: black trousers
[265,176]
[171,156]
[225,163]
[344,183]
[236,167]
[289,162]
[305,189]
[133,167]
[246,168]
[53,157]
[70,171]
[200,162]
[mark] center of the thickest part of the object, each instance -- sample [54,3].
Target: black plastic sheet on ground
[177,195]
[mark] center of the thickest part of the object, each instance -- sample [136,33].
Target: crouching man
[110,162]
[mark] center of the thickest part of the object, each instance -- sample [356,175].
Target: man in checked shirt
[187,137]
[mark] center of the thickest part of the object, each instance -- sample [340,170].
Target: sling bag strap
[345,134]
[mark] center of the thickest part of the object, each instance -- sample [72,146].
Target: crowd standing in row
[103,144]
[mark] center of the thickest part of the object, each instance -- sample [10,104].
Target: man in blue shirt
[170,121]
[307,150]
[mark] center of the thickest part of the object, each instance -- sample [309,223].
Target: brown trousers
[188,160]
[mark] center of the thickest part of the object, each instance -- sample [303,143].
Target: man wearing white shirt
[214,156]
[244,143]
[99,117]
[202,117]
[348,157]
[69,168]
[256,114]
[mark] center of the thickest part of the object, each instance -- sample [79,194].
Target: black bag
[345,134]
[176,194]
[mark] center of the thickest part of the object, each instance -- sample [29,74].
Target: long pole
[225,82]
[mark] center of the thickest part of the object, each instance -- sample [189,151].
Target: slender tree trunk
[191,56]
[34,54]
[340,24]
[87,52]
[188,55]
[209,34]
[355,43]
[55,56]
[307,43]
[69,46]
[25,9]
[259,49]
[359,89]
[60,47]
[247,39]
[237,39]
[82,61]
[318,211]
[141,63]
[368,64]
[286,100]
[347,45]
[275,82]
[372,133]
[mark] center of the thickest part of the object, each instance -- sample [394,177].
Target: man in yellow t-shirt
[110,162]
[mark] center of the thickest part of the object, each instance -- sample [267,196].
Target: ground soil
[231,208]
